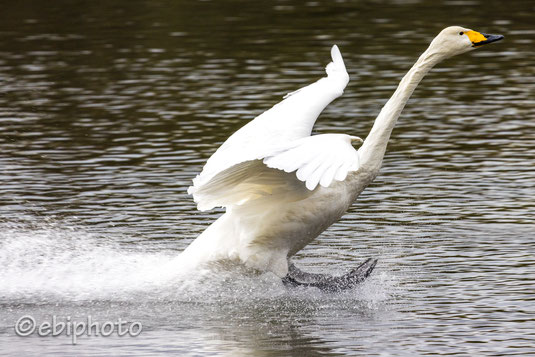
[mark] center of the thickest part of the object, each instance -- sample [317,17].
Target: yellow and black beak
[480,39]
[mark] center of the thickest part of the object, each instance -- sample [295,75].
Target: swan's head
[455,40]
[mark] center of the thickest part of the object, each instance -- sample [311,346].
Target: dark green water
[109,109]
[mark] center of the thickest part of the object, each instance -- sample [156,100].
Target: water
[108,110]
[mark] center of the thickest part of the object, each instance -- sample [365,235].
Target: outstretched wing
[291,119]
[288,173]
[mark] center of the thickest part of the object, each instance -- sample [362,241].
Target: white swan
[282,187]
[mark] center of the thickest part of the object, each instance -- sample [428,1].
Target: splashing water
[51,263]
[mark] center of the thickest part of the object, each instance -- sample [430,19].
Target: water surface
[108,110]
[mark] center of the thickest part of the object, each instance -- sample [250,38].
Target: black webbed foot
[327,283]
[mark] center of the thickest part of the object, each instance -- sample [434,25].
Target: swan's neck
[372,151]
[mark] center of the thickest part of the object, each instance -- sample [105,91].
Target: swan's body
[282,187]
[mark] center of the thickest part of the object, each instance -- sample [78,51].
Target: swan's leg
[297,277]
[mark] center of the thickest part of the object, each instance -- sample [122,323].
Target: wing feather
[288,173]
[318,159]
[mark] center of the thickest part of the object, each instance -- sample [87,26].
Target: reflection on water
[108,111]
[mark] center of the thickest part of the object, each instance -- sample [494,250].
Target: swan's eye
[461,33]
